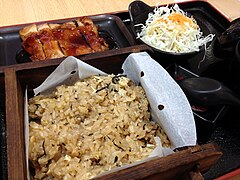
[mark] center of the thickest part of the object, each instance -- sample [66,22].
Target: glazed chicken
[49,41]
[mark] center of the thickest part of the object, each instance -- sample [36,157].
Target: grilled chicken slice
[70,40]
[31,42]
[90,32]
[50,44]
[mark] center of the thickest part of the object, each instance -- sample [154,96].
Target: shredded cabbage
[169,29]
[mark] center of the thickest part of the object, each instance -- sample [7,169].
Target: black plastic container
[110,27]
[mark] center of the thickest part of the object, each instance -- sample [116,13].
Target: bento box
[186,162]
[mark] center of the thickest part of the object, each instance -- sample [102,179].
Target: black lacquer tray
[219,124]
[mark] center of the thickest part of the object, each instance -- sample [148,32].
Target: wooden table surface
[21,11]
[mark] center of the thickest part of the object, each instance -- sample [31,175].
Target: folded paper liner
[168,104]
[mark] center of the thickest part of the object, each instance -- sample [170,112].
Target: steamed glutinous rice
[93,126]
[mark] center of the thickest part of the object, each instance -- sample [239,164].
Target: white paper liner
[26,131]
[68,72]
[176,118]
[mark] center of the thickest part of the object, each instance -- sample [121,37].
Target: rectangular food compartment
[182,163]
[110,27]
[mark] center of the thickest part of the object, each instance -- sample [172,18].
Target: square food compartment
[111,28]
[181,163]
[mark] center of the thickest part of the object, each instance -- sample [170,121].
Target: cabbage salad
[170,29]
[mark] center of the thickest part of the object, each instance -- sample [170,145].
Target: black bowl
[139,11]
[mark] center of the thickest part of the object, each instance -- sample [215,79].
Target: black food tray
[215,125]
[221,126]
[111,28]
